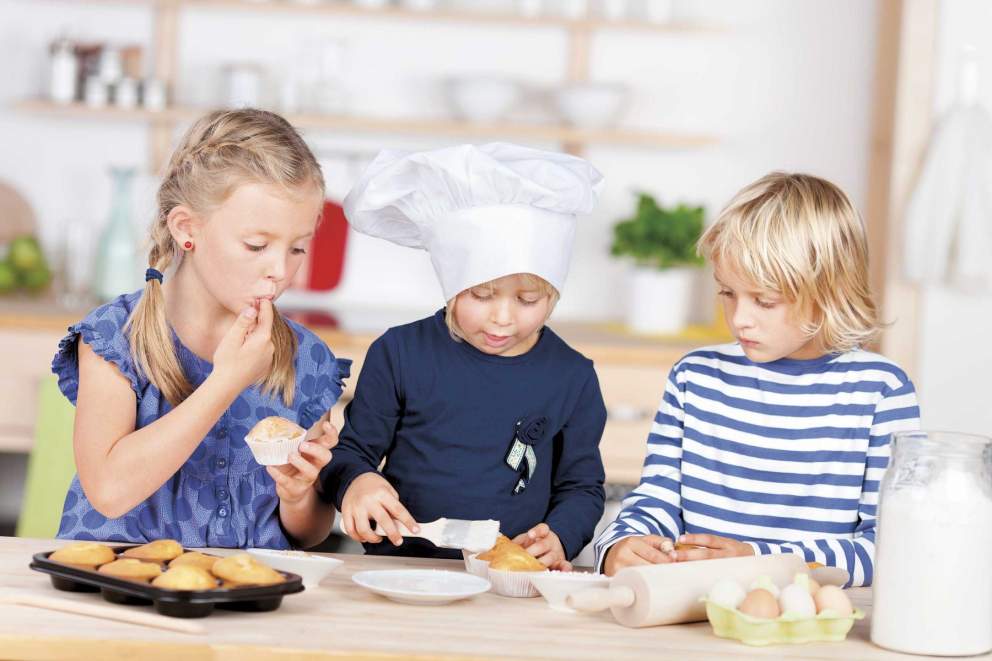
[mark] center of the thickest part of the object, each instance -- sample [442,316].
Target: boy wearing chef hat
[480,410]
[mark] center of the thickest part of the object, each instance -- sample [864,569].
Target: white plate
[830,576]
[421,586]
[311,567]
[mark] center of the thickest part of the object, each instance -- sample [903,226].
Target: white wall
[955,355]
[787,86]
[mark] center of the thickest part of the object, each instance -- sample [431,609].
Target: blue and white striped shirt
[786,456]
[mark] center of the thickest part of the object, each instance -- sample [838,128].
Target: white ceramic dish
[830,576]
[591,105]
[481,98]
[311,567]
[421,586]
[475,566]
[555,586]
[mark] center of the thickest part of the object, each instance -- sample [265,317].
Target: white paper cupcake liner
[513,583]
[275,452]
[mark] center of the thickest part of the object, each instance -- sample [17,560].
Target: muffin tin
[174,603]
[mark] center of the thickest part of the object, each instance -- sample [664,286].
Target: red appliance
[324,265]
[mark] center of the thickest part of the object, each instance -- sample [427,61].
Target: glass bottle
[117,269]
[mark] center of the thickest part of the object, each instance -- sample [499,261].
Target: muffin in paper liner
[824,627]
[274,439]
[513,583]
[505,583]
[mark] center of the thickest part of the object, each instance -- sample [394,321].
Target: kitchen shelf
[434,127]
[165,48]
[347,8]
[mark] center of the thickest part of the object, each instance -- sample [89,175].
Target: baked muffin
[131,569]
[507,555]
[160,551]
[272,440]
[186,577]
[195,558]
[501,541]
[243,569]
[87,555]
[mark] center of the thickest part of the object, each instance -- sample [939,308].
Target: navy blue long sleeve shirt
[444,416]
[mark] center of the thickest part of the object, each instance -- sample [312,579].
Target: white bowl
[475,566]
[555,586]
[481,98]
[591,105]
[310,566]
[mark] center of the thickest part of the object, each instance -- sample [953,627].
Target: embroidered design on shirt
[521,457]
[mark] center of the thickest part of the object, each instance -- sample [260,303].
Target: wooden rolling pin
[102,611]
[670,593]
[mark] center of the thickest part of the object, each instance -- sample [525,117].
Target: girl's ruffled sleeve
[322,387]
[103,330]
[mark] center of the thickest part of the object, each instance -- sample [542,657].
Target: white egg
[727,593]
[796,600]
[764,583]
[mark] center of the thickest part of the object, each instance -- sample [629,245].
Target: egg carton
[782,630]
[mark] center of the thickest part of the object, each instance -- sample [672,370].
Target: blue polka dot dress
[220,497]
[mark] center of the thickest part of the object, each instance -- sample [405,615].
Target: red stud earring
[188,245]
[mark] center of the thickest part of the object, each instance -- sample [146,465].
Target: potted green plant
[661,242]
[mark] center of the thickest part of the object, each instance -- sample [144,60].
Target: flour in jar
[933,585]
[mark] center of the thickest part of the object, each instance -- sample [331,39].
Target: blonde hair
[221,151]
[801,236]
[543,287]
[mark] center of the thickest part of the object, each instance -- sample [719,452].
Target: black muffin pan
[174,603]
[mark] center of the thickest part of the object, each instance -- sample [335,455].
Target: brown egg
[760,603]
[814,587]
[832,598]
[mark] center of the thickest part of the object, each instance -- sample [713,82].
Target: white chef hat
[481,211]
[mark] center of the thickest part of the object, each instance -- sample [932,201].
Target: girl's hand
[638,550]
[295,480]
[542,543]
[711,546]
[371,497]
[244,355]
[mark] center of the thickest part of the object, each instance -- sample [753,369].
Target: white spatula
[473,536]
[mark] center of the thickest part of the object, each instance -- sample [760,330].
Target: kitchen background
[684,100]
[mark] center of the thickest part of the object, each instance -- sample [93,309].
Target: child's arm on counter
[370,423]
[897,411]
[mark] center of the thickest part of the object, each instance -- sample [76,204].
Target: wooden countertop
[341,620]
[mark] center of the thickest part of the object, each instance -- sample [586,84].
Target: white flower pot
[659,300]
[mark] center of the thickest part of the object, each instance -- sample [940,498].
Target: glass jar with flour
[933,583]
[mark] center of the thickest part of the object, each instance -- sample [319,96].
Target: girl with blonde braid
[168,380]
